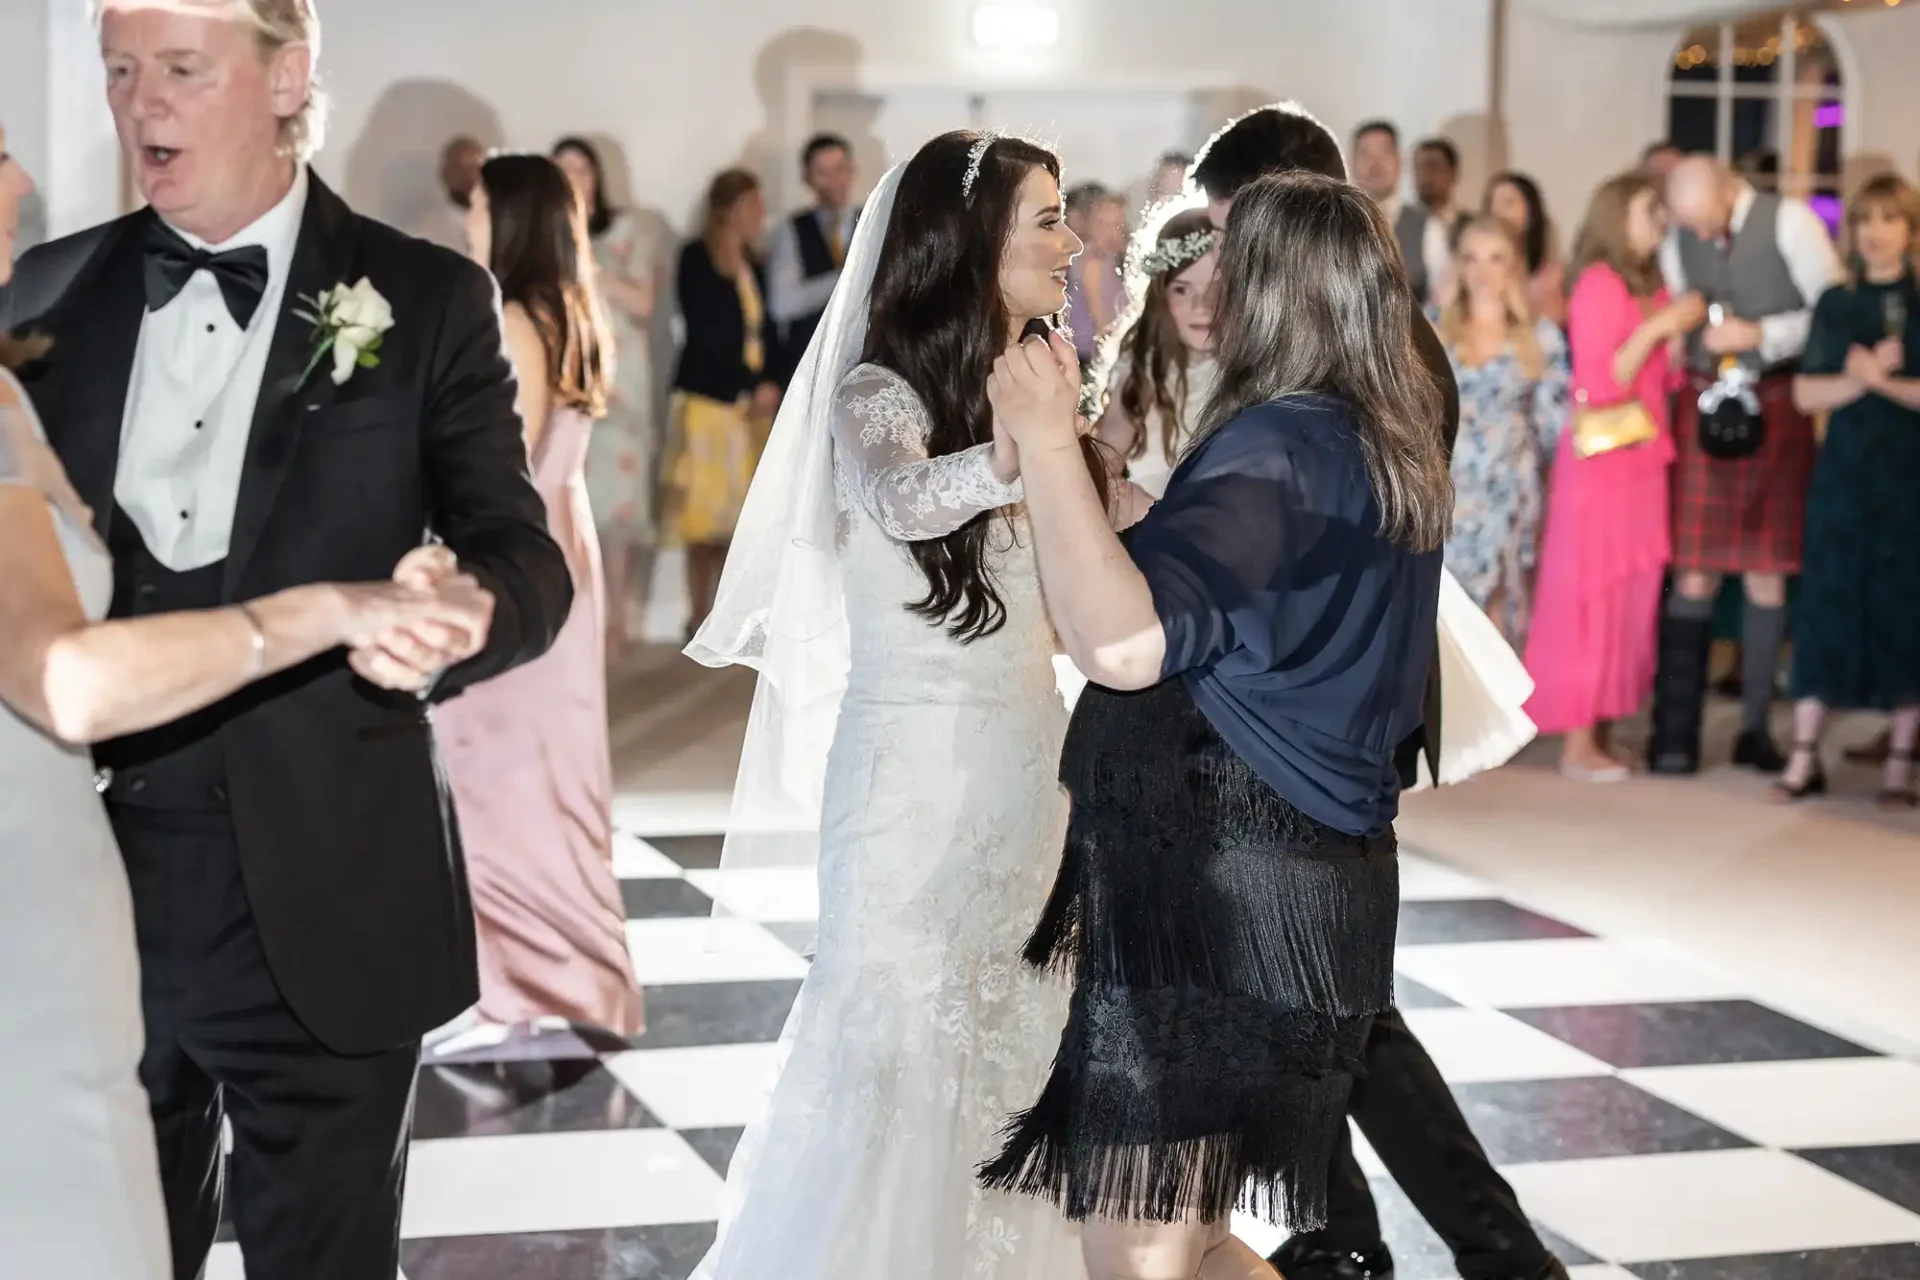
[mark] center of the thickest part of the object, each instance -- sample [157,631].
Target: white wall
[1582,104]
[1886,46]
[688,87]
[23,80]
[53,103]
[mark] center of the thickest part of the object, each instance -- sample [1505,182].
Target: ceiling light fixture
[1016,26]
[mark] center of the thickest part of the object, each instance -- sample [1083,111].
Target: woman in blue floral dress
[1514,377]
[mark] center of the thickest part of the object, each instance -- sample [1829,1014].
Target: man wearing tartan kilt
[1764,259]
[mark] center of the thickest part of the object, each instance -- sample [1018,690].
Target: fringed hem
[1229,954]
[1051,947]
[1268,1154]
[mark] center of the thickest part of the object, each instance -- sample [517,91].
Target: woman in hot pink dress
[1592,649]
[527,752]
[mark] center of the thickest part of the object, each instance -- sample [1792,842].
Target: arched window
[1766,95]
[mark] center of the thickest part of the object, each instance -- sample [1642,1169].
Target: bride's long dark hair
[936,318]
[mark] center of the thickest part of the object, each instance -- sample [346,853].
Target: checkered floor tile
[1658,1122]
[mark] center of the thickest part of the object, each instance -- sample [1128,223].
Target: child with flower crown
[1162,360]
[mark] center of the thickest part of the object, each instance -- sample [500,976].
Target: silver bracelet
[259,640]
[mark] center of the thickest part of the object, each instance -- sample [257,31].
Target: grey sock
[1679,606]
[1760,641]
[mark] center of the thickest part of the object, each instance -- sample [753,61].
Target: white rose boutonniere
[350,321]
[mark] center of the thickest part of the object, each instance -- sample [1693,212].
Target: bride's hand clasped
[1035,393]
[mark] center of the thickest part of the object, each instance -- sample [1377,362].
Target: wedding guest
[1763,260]
[1230,852]
[80,1189]
[810,247]
[1856,636]
[1512,371]
[1169,176]
[1377,170]
[1404,1107]
[446,223]
[527,751]
[79,1180]
[1079,202]
[1436,181]
[724,389]
[1596,610]
[624,446]
[1164,372]
[1659,158]
[1515,199]
[1096,289]
[298,890]
[1165,181]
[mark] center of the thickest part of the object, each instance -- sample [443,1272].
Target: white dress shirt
[1434,253]
[1811,259]
[790,295]
[190,402]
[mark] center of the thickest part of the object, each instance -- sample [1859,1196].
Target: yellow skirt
[716,447]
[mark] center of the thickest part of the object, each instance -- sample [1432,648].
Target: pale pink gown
[1596,612]
[528,759]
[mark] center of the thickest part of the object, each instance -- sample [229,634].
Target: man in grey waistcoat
[1377,169]
[1761,261]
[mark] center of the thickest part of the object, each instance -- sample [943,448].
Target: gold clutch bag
[1619,426]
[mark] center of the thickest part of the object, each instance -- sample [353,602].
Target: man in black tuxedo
[298,887]
[1402,1104]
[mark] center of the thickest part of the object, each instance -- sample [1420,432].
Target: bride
[884,586]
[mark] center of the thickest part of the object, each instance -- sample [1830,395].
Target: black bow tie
[171,262]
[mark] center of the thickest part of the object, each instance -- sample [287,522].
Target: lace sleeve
[881,462]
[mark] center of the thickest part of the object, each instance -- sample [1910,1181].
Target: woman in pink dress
[1592,649]
[527,752]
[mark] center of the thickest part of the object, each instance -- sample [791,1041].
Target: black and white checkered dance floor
[1658,1120]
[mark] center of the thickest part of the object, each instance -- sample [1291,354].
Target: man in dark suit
[298,888]
[1402,1104]
[810,247]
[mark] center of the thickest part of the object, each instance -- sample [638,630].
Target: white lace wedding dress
[918,1031]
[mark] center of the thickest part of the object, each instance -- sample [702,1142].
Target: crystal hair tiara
[975,158]
[1175,255]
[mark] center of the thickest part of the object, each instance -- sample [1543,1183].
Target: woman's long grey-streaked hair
[1314,298]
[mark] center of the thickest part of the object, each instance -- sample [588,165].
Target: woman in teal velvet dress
[1857,631]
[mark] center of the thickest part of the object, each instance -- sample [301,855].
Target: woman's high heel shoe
[1814,784]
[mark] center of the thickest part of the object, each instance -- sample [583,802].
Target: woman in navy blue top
[1258,645]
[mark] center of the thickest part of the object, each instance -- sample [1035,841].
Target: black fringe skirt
[1229,954]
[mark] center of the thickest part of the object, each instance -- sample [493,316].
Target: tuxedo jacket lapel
[322,258]
[92,361]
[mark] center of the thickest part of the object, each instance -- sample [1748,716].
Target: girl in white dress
[884,585]
[1163,368]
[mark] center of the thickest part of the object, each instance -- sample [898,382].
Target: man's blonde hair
[277,24]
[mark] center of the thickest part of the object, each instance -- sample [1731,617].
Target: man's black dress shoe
[1296,1261]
